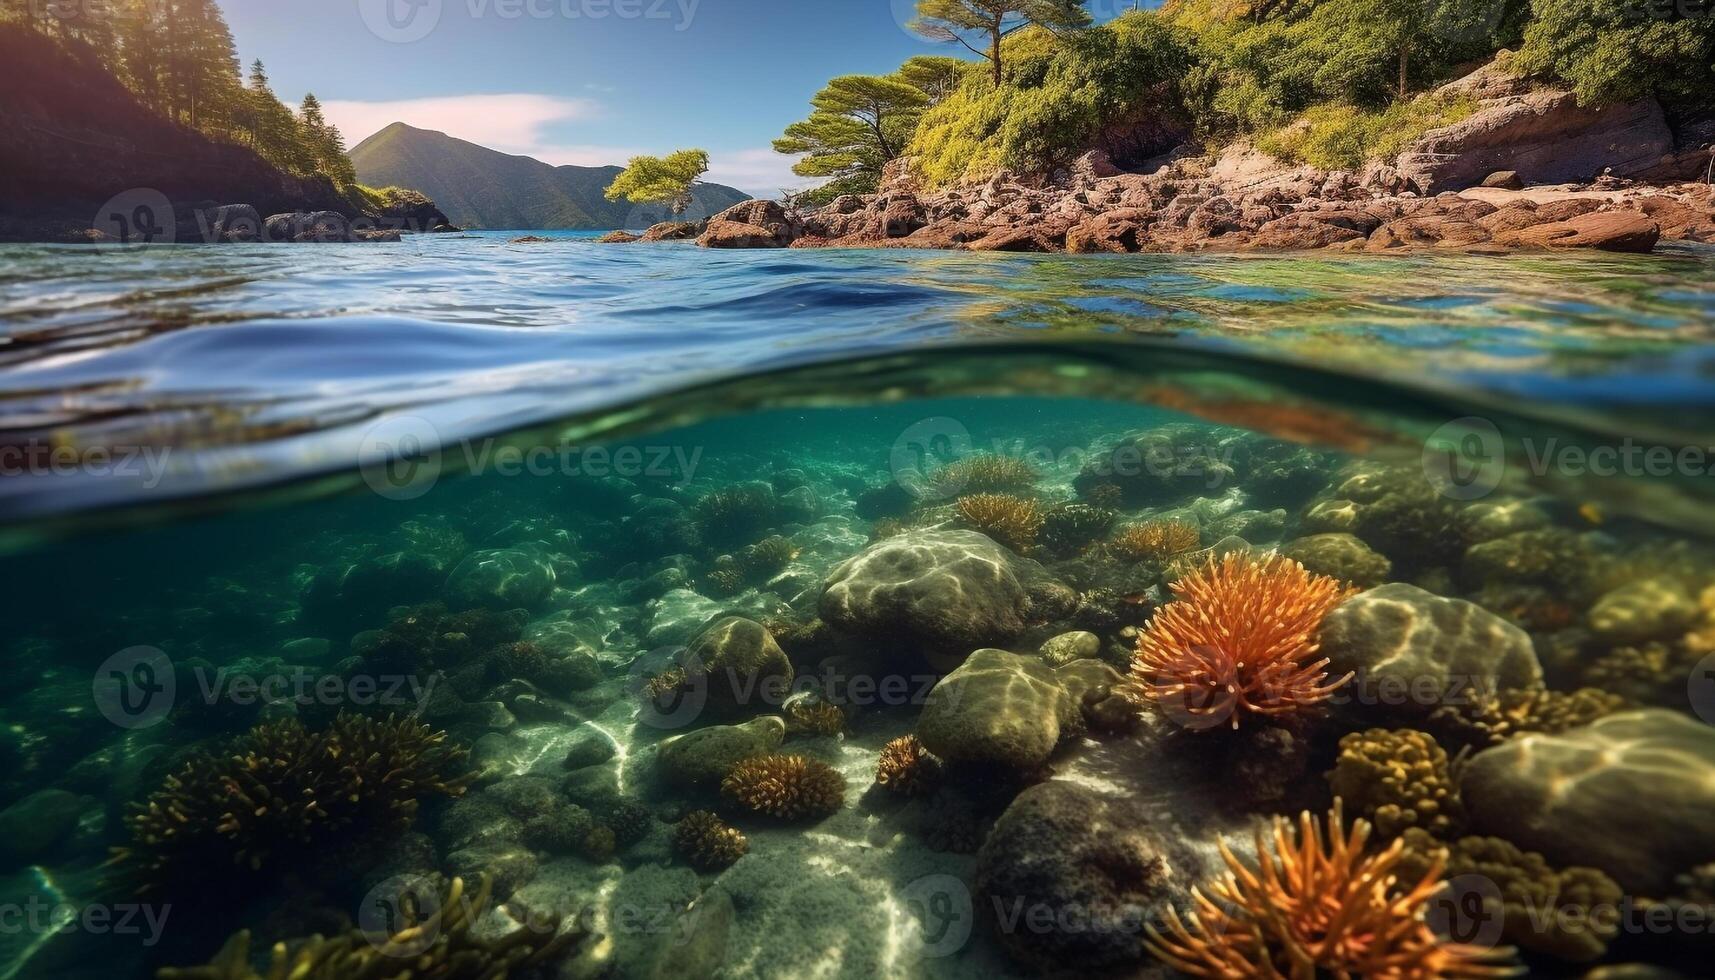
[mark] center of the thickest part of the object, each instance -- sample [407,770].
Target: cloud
[509,123]
[760,172]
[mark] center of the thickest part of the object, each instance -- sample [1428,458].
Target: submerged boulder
[1009,710]
[745,670]
[507,578]
[1413,650]
[1629,794]
[936,592]
[703,757]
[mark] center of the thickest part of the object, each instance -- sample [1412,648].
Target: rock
[231,223]
[1067,647]
[933,592]
[1006,709]
[1082,873]
[1300,231]
[733,234]
[314,226]
[1610,231]
[1629,794]
[699,939]
[1030,238]
[672,231]
[1342,556]
[1119,230]
[501,579]
[616,237]
[702,758]
[744,669]
[1656,608]
[33,826]
[588,749]
[1413,650]
[1507,179]
[1544,137]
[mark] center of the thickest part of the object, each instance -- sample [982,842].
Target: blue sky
[579,81]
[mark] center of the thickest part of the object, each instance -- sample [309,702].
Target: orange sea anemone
[1315,907]
[1238,639]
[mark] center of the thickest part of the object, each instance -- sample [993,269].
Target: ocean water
[621,586]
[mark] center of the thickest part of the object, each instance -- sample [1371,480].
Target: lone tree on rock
[993,20]
[661,180]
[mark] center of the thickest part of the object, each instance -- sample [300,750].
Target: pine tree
[990,22]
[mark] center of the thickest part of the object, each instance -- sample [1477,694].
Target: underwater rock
[501,579]
[743,668]
[1655,608]
[1067,647]
[1330,517]
[703,757]
[36,824]
[938,592]
[1162,466]
[681,614]
[1413,650]
[1629,794]
[1005,709]
[1487,520]
[1071,875]
[1342,556]
[588,749]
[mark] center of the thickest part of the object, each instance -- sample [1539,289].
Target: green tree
[936,75]
[989,22]
[1614,50]
[858,123]
[324,144]
[658,180]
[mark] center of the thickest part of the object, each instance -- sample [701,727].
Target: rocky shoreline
[1529,168]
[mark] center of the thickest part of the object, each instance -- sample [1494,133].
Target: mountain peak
[482,188]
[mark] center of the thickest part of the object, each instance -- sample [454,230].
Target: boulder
[1300,231]
[1610,231]
[1413,650]
[734,234]
[231,223]
[932,592]
[1118,230]
[1342,556]
[671,231]
[1657,608]
[744,668]
[312,226]
[1005,709]
[702,758]
[1629,794]
[615,237]
[506,578]
[1505,179]
[34,825]
[1543,137]
[1071,876]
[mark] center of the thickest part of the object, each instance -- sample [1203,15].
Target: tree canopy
[990,22]
[660,180]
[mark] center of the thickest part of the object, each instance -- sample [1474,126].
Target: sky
[588,82]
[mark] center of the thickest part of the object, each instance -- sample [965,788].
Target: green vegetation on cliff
[1330,82]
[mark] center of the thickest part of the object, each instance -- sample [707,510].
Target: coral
[1649,673]
[420,639]
[1317,906]
[1238,639]
[437,945]
[1012,521]
[664,687]
[281,791]
[1069,529]
[599,844]
[1106,496]
[1569,914]
[723,581]
[789,787]
[735,514]
[1267,763]
[1155,540]
[1532,607]
[1482,722]
[707,842]
[907,768]
[1553,557]
[982,474]
[766,557]
[1398,779]
[810,716]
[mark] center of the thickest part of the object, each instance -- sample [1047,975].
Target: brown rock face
[1544,137]
[1610,231]
[672,231]
[1299,231]
[738,234]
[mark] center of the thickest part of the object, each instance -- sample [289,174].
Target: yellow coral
[1398,779]
[982,474]
[1013,521]
[907,768]
[708,842]
[1482,722]
[808,716]
[789,787]
[1155,540]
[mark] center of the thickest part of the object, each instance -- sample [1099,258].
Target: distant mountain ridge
[482,188]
